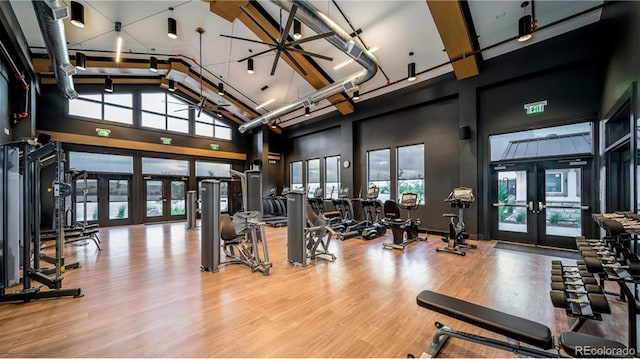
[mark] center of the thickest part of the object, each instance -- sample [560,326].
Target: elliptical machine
[461,198]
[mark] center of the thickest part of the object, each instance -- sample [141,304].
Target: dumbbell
[571,275]
[601,256]
[597,302]
[597,265]
[583,281]
[588,288]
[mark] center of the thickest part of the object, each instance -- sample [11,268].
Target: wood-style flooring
[145,296]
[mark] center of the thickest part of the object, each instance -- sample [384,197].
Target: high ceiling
[394,28]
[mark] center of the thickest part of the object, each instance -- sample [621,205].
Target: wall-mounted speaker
[464,132]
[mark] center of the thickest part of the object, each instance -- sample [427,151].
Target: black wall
[434,124]
[565,70]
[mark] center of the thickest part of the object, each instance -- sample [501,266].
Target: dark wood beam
[314,77]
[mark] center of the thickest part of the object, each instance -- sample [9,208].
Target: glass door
[513,203]
[544,203]
[103,199]
[165,199]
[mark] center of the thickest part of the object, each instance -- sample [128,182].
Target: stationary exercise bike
[461,198]
[405,231]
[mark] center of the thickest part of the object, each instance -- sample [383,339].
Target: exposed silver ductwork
[50,14]
[320,23]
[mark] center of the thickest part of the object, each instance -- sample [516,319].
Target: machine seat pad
[332,214]
[502,323]
[450,215]
[571,341]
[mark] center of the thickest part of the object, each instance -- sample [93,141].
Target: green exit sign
[103,132]
[215,147]
[165,140]
[535,107]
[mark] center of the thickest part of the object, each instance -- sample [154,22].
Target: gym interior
[465,187]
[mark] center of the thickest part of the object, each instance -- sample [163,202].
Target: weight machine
[20,229]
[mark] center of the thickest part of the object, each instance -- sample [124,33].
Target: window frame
[102,104]
[390,177]
[422,197]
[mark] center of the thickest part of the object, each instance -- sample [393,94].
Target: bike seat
[450,215]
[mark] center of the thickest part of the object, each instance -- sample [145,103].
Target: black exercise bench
[516,328]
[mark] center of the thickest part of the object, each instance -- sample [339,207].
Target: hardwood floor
[145,296]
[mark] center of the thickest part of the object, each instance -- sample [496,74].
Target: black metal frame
[31,226]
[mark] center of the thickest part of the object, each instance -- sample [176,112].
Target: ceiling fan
[281,45]
[202,103]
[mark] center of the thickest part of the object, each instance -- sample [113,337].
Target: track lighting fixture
[172,86]
[77,14]
[297,29]
[172,26]
[153,64]
[81,61]
[108,85]
[220,89]
[307,112]
[356,95]
[250,66]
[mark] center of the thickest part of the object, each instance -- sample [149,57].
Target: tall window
[313,176]
[411,170]
[210,126]
[165,112]
[103,106]
[296,175]
[379,172]
[331,177]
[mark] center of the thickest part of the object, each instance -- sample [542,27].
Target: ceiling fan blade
[311,38]
[300,51]
[199,112]
[182,109]
[287,28]
[246,12]
[244,39]
[302,71]
[259,53]
[275,62]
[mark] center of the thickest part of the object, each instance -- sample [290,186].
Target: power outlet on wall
[6,131]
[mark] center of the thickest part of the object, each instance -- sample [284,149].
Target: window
[411,170]
[164,166]
[331,177]
[108,107]
[100,162]
[379,172]
[296,175]
[86,192]
[554,182]
[164,111]
[543,142]
[208,126]
[313,176]
[118,199]
[212,169]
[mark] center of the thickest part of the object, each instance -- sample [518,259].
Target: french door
[103,199]
[545,203]
[164,199]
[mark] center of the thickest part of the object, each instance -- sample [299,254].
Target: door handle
[530,205]
[541,206]
[164,200]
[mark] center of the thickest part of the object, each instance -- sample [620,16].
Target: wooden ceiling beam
[314,77]
[454,32]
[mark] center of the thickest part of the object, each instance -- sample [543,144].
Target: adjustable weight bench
[516,328]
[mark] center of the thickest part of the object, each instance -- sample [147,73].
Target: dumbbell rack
[574,289]
[615,263]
